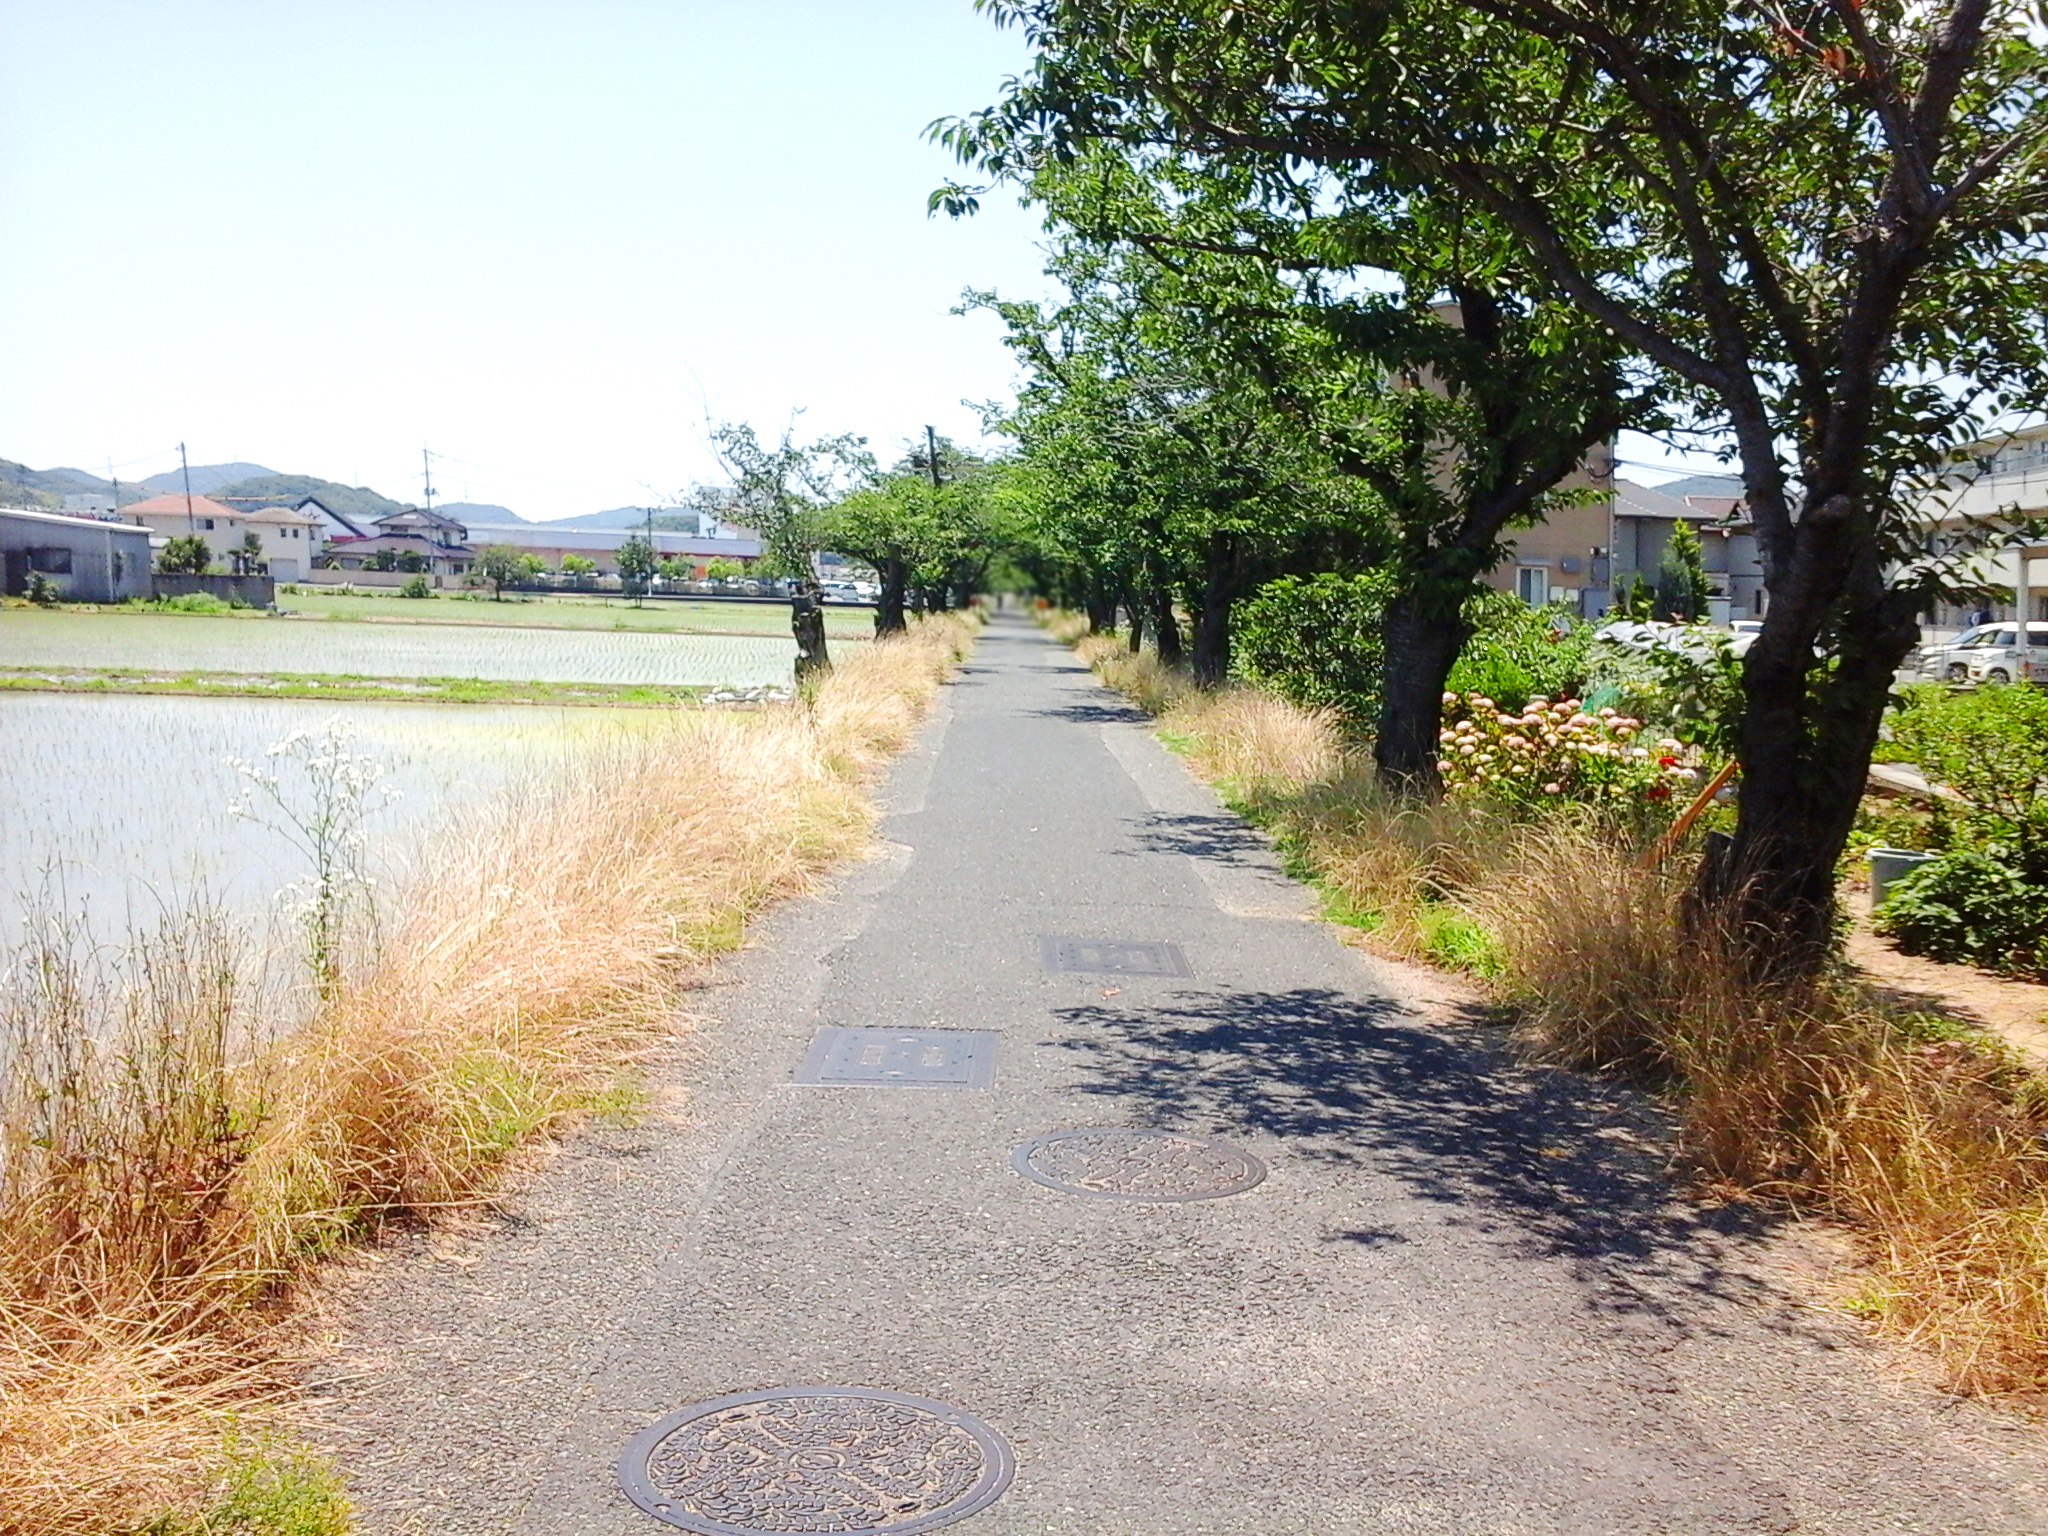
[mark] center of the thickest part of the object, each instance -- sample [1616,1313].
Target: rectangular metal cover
[902,1058]
[1114,957]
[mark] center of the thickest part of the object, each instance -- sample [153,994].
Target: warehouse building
[84,559]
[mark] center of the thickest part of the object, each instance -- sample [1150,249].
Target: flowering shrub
[1551,752]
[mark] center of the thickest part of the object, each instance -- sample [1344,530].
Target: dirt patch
[2016,1010]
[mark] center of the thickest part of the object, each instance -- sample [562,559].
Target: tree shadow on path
[1545,1163]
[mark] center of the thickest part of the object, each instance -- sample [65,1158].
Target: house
[88,560]
[1617,530]
[333,524]
[1645,518]
[288,538]
[412,539]
[1564,557]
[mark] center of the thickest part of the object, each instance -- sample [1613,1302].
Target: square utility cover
[1114,957]
[901,1058]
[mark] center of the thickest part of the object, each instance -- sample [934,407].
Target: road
[1462,1300]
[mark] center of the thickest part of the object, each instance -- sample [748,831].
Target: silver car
[1994,656]
[1949,660]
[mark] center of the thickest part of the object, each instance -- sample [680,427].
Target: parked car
[1945,659]
[1995,658]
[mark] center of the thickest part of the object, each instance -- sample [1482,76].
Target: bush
[416,586]
[1967,905]
[187,554]
[1542,753]
[1687,680]
[1518,653]
[194,602]
[1991,747]
[1315,641]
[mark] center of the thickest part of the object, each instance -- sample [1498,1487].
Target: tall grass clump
[169,1160]
[1926,1140]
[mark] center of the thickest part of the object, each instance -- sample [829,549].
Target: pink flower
[1553,789]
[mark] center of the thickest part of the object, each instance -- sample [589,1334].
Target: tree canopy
[1816,234]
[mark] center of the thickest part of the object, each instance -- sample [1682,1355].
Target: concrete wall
[250,591]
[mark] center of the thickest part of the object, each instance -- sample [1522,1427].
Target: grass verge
[165,1174]
[1926,1140]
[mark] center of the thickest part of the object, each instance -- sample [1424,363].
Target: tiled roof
[202,506]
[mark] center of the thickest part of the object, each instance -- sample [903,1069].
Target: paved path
[1462,1302]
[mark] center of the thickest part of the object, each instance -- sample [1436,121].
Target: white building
[289,537]
[2003,483]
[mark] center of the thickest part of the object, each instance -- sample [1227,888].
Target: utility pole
[114,480]
[931,453]
[191,522]
[426,462]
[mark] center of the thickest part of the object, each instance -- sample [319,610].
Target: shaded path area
[1462,1300]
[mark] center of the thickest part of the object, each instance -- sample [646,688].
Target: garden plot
[118,806]
[191,643]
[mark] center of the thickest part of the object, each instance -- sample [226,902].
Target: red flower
[1659,792]
[1667,762]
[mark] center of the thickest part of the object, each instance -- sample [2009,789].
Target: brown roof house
[288,539]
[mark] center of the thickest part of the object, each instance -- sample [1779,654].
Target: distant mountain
[47,488]
[21,486]
[206,478]
[286,490]
[670,519]
[484,512]
[75,480]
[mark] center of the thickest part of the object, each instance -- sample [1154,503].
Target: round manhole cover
[1137,1165]
[815,1459]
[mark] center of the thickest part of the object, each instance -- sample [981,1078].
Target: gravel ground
[1463,1301]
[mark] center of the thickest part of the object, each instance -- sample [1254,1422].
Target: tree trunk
[1422,635]
[1137,613]
[1806,745]
[807,623]
[889,618]
[1165,628]
[1101,612]
[1220,580]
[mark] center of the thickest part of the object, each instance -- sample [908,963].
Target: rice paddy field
[198,643]
[115,807]
[767,619]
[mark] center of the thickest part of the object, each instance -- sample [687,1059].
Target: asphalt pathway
[1462,1300]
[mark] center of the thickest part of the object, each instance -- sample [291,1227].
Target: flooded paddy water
[116,807]
[195,643]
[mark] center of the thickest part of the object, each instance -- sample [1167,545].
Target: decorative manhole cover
[816,1459]
[1124,1164]
[901,1058]
[1113,957]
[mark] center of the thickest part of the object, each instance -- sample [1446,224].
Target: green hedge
[1316,641]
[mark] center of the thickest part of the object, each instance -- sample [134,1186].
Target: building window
[51,562]
[1532,585]
[206,522]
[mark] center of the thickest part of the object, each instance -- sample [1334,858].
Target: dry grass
[161,1181]
[1929,1142]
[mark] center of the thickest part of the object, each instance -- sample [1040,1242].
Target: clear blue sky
[545,239]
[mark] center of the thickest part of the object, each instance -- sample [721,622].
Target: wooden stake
[1661,849]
